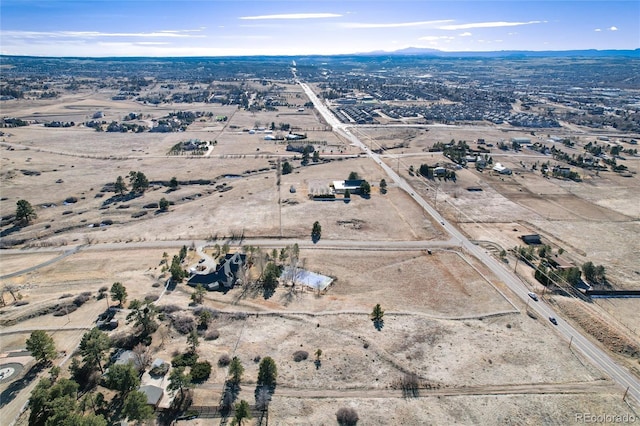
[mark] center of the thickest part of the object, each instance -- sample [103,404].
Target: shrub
[200,371]
[257,359]
[239,316]
[169,309]
[300,356]
[63,310]
[212,335]
[124,340]
[66,295]
[214,314]
[184,360]
[347,416]
[103,289]
[160,370]
[81,299]
[183,324]
[224,360]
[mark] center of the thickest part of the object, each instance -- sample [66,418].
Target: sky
[303,27]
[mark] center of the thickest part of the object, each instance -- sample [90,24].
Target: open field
[471,342]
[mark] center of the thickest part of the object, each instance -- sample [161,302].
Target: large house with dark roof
[224,277]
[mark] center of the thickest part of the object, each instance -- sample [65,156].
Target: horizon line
[418,51]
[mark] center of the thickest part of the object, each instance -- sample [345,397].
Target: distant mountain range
[418,51]
[409,52]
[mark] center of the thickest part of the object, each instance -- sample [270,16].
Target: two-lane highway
[597,356]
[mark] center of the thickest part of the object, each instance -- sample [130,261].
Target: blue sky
[300,27]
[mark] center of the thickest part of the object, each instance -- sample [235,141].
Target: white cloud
[465,34]
[495,24]
[434,38]
[395,24]
[96,34]
[613,28]
[292,16]
[597,30]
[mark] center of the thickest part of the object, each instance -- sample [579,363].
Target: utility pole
[571,340]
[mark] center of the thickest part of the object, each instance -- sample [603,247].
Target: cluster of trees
[547,275]
[178,273]
[270,276]
[55,401]
[115,127]
[428,172]
[267,375]
[594,274]
[365,187]
[138,181]
[547,272]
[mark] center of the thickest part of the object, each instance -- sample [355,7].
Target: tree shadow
[267,292]
[120,198]
[229,397]
[263,395]
[378,324]
[9,231]
[315,239]
[10,393]
[317,363]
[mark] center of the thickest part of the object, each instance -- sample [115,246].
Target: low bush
[300,356]
[212,335]
[169,309]
[224,360]
[200,371]
[183,324]
[185,360]
[63,310]
[160,370]
[214,314]
[81,299]
[347,416]
[151,297]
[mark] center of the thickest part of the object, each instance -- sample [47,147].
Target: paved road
[597,356]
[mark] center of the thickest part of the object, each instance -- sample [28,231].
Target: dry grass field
[480,358]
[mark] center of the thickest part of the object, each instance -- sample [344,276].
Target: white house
[501,169]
